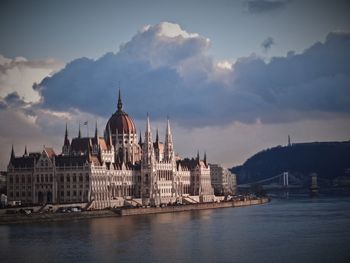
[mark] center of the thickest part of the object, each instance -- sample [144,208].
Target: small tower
[12,154]
[66,143]
[140,139]
[149,187]
[79,133]
[95,141]
[289,143]
[96,133]
[120,103]
[168,144]
[148,150]
[25,151]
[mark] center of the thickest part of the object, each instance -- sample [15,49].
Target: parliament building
[112,170]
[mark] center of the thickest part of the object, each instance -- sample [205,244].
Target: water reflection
[300,230]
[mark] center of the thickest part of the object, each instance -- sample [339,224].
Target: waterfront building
[222,180]
[112,170]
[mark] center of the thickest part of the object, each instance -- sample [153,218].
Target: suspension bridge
[283,180]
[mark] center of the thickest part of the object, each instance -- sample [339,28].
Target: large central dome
[120,121]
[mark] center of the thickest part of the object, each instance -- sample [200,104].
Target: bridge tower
[314,185]
[285,179]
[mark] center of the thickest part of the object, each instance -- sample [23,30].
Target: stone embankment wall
[45,217]
[42,217]
[181,208]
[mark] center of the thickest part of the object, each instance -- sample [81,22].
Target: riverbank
[6,219]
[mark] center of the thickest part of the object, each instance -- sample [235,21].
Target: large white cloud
[164,69]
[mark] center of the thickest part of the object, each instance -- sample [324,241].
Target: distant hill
[327,159]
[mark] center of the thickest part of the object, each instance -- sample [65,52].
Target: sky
[235,77]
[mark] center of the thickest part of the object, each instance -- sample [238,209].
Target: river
[297,229]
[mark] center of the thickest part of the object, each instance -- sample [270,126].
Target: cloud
[18,75]
[165,70]
[317,80]
[265,6]
[267,44]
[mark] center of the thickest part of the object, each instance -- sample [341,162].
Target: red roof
[122,122]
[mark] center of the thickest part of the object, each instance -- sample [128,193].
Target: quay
[6,219]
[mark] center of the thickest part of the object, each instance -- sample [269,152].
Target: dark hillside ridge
[328,159]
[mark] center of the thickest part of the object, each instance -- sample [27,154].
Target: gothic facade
[112,170]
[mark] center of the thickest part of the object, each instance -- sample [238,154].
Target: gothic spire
[120,104]
[109,136]
[96,132]
[147,147]
[25,151]
[148,125]
[66,132]
[205,158]
[12,153]
[66,141]
[168,143]
[157,137]
[79,134]
[140,139]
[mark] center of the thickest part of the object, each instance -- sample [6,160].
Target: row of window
[166,190]
[74,193]
[74,178]
[17,179]
[62,186]
[23,194]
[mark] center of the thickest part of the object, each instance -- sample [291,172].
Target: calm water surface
[285,230]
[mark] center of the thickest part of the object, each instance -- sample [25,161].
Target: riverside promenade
[18,218]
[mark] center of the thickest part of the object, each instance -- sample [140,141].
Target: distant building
[3,177]
[222,180]
[110,170]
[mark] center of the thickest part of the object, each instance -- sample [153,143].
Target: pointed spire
[79,134]
[148,125]
[205,158]
[168,143]
[120,104]
[109,136]
[25,151]
[197,155]
[66,132]
[140,139]
[157,137]
[66,141]
[168,131]
[147,146]
[96,133]
[12,153]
